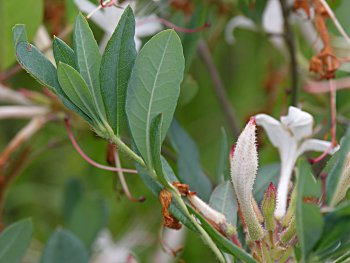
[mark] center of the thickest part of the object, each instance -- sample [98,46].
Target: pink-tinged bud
[244,166]
[268,207]
[208,212]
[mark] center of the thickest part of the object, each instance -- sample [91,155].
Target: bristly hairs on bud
[268,207]
[244,166]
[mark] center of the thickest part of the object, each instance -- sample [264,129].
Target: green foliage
[154,88]
[87,219]
[63,246]
[63,53]
[40,68]
[14,241]
[88,60]
[188,163]
[116,65]
[223,200]
[266,174]
[29,12]
[309,220]
[334,176]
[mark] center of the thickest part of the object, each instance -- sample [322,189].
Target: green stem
[207,239]
[122,146]
[176,195]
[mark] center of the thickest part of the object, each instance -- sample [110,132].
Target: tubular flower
[292,138]
[244,166]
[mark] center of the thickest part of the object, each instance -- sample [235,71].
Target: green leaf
[223,170]
[189,89]
[63,53]
[88,60]
[73,193]
[65,247]
[154,87]
[156,142]
[223,200]
[333,178]
[309,221]
[266,174]
[19,34]
[29,12]
[190,41]
[40,68]
[188,163]
[14,241]
[76,90]
[88,218]
[116,65]
[335,235]
[223,243]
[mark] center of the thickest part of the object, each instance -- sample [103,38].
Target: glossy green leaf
[88,60]
[29,12]
[223,200]
[75,88]
[223,243]
[40,68]
[116,65]
[309,221]
[88,218]
[63,53]
[14,241]
[333,178]
[65,247]
[188,162]
[154,87]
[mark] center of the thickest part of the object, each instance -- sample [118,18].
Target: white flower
[291,137]
[107,19]
[244,166]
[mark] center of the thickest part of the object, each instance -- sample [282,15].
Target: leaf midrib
[151,100]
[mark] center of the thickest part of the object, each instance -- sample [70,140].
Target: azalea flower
[291,136]
[244,167]
[107,19]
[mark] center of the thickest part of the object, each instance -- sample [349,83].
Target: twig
[335,21]
[8,95]
[123,181]
[219,88]
[87,158]
[22,112]
[289,39]
[23,135]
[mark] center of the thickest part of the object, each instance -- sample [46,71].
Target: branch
[289,39]
[219,88]
[22,112]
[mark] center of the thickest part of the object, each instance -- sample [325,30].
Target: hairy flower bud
[244,166]
[268,207]
[208,212]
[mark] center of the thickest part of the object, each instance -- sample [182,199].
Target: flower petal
[316,146]
[299,122]
[235,22]
[278,136]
